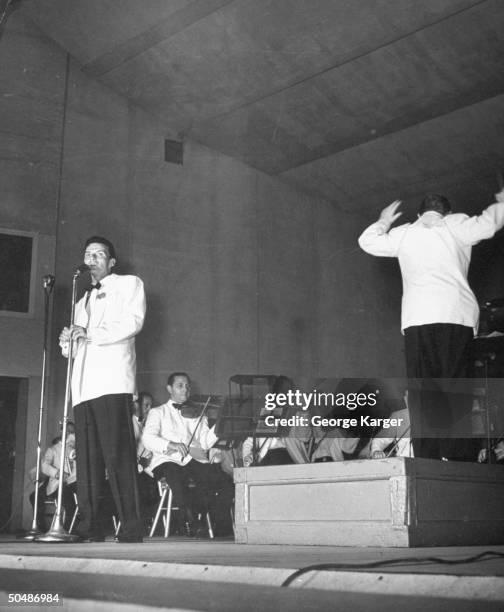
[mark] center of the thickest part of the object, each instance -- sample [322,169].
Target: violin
[189,410]
[192,408]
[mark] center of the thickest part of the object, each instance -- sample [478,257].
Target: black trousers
[179,477]
[438,366]
[41,522]
[104,440]
[213,491]
[277,456]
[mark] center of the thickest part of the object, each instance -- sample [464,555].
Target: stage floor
[247,577]
[225,552]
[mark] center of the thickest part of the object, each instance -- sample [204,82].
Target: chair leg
[209,525]
[158,512]
[231,510]
[76,511]
[117,525]
[168,513]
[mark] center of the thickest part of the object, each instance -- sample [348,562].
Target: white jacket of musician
[166,424]
[51,463]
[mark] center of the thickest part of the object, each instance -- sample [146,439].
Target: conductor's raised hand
[389,214]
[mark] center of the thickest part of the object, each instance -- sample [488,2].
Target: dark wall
[32,77]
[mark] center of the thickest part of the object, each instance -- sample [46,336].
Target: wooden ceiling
[358,101]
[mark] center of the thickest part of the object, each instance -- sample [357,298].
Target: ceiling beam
[347,60]
[178,21]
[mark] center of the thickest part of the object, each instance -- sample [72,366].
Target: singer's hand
[482,455]
[78,332]
[64,335]
[248,460]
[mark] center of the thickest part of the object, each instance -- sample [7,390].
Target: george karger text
[344,423]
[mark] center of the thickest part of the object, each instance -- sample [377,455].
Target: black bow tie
[91,287]
[178,406]
[89,290]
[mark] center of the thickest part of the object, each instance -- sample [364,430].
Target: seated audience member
[180,446]
[398,438]
[498,450]
[50,466]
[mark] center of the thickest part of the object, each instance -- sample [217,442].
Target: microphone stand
[48,283]
[58,533]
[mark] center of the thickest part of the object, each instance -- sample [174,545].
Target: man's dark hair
[143,394]
[105,242]
[173,376]
[435,202]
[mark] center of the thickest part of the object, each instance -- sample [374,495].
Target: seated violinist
[284,449]
[179,443]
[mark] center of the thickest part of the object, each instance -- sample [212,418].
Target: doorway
[9,404]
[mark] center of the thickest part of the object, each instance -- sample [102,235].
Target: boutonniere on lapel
[101,295]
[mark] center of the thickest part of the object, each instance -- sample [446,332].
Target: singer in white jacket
[107,319]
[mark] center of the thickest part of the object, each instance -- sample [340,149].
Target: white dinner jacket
[166,424]
[105,362]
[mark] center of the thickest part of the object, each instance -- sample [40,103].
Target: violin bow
[396,443]
[199,421]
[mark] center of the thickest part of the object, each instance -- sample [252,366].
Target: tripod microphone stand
[57,532]
[48,284]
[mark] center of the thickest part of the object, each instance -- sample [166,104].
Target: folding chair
[166,505]
[76,511]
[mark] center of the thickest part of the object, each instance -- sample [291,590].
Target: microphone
[81,269]
[48,282]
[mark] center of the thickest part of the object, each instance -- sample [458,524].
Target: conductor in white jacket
[440,313]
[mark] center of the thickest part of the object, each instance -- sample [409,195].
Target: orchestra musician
[179,438]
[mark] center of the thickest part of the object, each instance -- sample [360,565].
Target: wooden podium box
[390,502]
